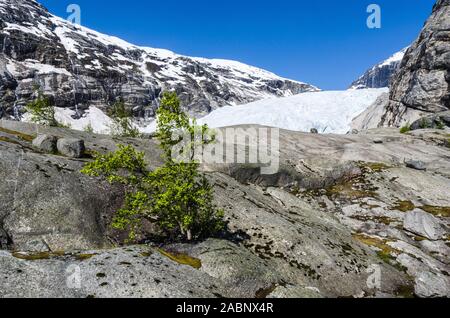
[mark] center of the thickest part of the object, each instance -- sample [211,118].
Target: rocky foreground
[363,215]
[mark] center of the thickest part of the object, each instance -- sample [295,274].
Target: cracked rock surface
[334,222]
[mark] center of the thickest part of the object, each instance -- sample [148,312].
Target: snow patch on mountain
[95,69]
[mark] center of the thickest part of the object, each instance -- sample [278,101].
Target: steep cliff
[422,84]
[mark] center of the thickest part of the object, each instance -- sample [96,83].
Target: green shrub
[424,124]
[122,125]
[406,128]
[176,196]
[88,128]
[42,111]
[440,125]
[119,110]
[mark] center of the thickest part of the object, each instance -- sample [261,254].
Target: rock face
[422,84]
[424,224]
[329,224]
[434,121]
[430,285]
[77,68]
[127,272]
[372,116]
[381,74]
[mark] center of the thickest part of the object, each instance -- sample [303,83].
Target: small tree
[122,124]
[42,111]
[176,196]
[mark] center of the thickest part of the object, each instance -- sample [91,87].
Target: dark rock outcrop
[78,68]
[381,74]
[422,84]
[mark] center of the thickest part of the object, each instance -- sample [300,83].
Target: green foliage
[424,124]
[176,196]
[119,110]
[406,128]
[42,112]
[122,124]
[440,125]
[125,166]
[123,127]
[170,120]
[88,128]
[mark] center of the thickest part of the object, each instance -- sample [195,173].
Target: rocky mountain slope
[381,74]
[422,85]
[344,216]
[79,67]
[301,112]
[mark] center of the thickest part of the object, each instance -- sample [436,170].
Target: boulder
[314,131]
[46,143]
[416,164]
[424,224]
[432,285]
[69,147]
[434,121]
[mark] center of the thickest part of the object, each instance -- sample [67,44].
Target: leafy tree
[176,196]
[122,124]
[119,110]
[42,111]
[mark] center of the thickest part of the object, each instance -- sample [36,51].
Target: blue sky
[325,43]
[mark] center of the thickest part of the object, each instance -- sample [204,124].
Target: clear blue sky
[325,43]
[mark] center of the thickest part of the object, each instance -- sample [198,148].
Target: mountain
[78,68]
[328,111]
[422,84]
[380,75]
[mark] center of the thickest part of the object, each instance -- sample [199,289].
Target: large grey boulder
[416,164]
[71,147]
[46,143]
[432,285]
[422,84]
[424,224]
[434,121]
